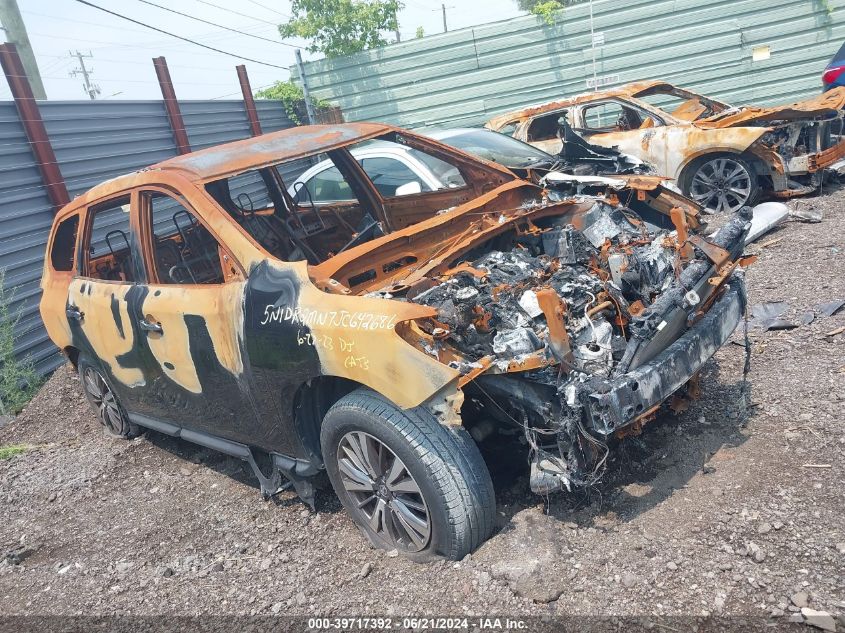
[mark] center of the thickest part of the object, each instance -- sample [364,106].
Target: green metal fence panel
[465,77]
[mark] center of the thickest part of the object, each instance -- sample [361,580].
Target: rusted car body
[721,156]
[244,323]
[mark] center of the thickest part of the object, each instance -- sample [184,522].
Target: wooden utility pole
[13,24]
[445,29]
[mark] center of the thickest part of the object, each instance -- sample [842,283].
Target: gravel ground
[713,511]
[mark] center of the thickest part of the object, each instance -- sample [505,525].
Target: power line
[107,60]
[166,44]
[243,15]
[229,94]
[179,37]
[264,6]
[220,26]
[140,81]
[61,60]
[149,44]
[101,24]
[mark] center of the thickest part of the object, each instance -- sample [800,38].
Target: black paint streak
[115,313]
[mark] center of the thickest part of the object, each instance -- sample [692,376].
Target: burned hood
[827,105]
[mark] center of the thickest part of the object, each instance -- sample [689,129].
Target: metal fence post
[249,102]
[171,105]
[309,107]
[33,125]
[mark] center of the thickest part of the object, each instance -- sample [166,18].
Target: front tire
[408,482]
[104,402]
[723,183]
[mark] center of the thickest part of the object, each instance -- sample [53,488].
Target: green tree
[547,10]
[341,27]
[420,32]
[529,5]
[291,96]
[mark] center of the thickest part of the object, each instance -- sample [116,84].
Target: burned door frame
[587,132]
[199,378]
[111,344]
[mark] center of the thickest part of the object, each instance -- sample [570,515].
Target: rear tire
[100,395]
[721,182]
[408,482]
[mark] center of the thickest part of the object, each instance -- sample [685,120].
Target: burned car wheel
[102,399]
[408,482]
[721,182]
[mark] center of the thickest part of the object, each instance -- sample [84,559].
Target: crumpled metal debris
[560,258]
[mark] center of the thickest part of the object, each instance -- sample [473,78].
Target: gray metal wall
[464,77]
[93,141]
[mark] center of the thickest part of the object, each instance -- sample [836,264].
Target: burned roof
[628,90]
[275,147]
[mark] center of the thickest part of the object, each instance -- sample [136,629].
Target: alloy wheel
[722,184]
[105,403]
[384,491]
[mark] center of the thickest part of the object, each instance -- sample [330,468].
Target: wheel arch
[314,397]
[311,402]
[693,160]
[72,355]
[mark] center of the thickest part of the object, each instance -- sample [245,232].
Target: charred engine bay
[542,316]
[491,308]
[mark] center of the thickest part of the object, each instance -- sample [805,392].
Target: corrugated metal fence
[464,77]
[93,141]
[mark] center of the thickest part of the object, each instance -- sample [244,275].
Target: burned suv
[377,336]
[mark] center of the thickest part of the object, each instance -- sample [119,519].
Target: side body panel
[296,331]
[195,368]
[670,148]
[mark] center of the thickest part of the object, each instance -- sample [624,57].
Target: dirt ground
[708,512]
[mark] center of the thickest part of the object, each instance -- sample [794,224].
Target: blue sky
[122,51]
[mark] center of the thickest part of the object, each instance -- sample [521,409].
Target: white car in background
[398,170]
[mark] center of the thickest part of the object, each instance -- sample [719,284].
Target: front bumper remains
[826,158]
[619,402]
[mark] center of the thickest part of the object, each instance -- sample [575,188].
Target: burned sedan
[721,156]
[379,338]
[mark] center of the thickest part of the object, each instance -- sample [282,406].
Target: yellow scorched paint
[101,330]
[220,306]
[378,358]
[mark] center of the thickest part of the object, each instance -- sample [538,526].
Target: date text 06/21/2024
[417,623]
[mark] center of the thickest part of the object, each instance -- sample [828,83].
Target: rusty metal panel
[465,77]
[93,141]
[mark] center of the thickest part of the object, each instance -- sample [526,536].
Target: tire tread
[451,459]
